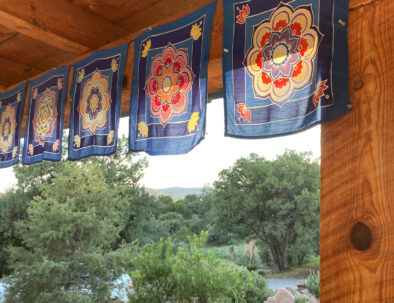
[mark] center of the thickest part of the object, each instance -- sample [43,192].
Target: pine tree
[69,234]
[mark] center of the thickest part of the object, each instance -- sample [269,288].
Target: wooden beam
[215,82]
[357,168]
[12,72]
[58,23]
[163,11]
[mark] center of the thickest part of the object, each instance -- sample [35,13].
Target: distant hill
[176,193]
[181,191]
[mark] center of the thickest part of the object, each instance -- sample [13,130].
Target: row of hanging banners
[284,69]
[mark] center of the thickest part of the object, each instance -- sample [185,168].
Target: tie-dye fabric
[11,111]
[45,117]
[285,65]
[169,88]
[95,103]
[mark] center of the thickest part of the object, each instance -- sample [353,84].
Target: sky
[202,165]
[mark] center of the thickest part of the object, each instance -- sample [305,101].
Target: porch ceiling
[38,35]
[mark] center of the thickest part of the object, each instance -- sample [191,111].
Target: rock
[289,289]
[282,296]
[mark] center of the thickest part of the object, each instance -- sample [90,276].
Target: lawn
[227,252]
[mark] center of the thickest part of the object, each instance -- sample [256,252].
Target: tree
[12,208]
[276,201]
[70,233]
[166,274]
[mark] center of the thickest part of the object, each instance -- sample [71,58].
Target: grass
[297,272]
[294,273]
[312,263]
[223,252]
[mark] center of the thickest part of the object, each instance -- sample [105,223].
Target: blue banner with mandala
[96,92]
[45,117]
[285,65]
[11,111]
[169,90]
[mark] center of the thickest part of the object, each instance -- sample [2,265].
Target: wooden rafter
[59,23]
[12,72]
[214,66]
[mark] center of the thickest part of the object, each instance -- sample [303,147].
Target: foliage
[71,219]
[248,257]
[276,201]
[12,208]
[301,299]
[313,283]
[166,274]
[253,287]
[68,233]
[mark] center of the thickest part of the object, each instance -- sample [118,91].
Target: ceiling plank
[12,72]
[114,10]
[215,82]
[167,13]
[59,23]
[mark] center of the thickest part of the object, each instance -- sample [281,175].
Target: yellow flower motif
[7,128]
[81,74]
[110,137]
[15,152]
[19,97]
[193,122]
[77,141]
[114,65]
[147,46]
[195,32]
[143,129]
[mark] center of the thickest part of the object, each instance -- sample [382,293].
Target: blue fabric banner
[284,65]
[11,111]
[96,92]
[169,88]
[45,117]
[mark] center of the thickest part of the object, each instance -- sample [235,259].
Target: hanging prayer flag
[285,65]
[96,93]
[169,90]
[11,111]
[45,117]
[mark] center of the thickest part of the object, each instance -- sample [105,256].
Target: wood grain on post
[357,174]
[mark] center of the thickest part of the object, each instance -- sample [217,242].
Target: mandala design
[280,60]
[45,116]
[95,103]
[7,128]
[168,84]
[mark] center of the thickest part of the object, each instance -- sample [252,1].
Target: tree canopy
[276,201]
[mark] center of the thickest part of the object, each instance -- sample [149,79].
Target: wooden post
[357,175]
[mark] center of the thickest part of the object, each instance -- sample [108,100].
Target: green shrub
[163,273]
[313,283]
[248,257]
[253,287]
[301,299]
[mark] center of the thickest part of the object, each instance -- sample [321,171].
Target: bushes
[313,283]
[164,274]
[253,287]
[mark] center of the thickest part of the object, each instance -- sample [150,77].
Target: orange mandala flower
[168,84]
[280,60]
[7,128]
[95,103]
[45,116]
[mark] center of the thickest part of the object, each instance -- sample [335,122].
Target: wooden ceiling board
[160,13]
[58,23]
[12,72]
[40,56]
[114,10]
[183,8]
[6,34]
